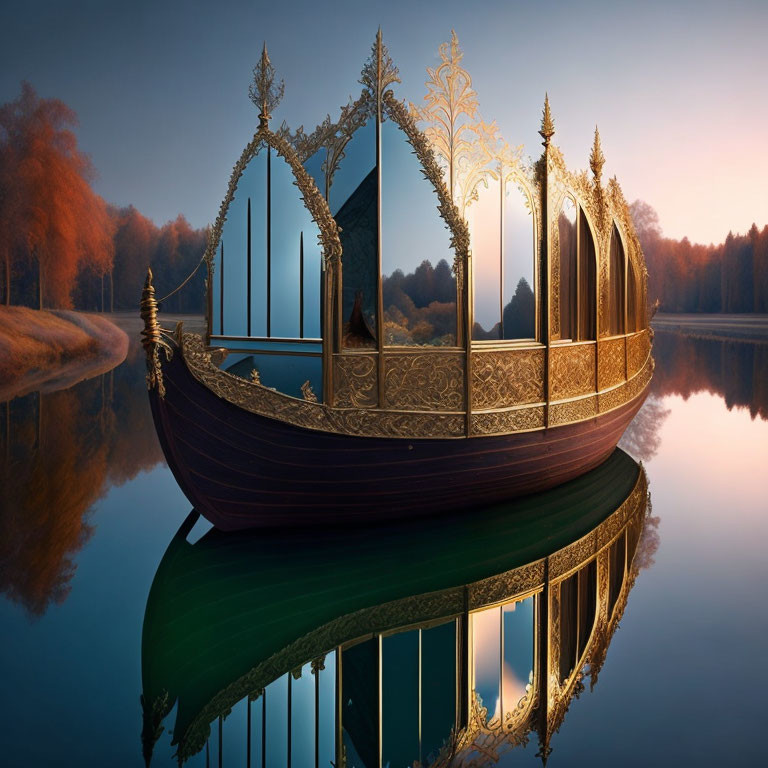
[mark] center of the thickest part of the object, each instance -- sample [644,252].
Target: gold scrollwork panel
[573,410]
[507,377]
[638,347]
[506,586]
[512,420]
[610,363]
[572,370]
[354,381]
[431,381]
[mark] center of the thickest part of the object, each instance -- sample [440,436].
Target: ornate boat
[290,649]
[419,319]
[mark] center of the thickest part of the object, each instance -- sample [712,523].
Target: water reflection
[736,370]
[59,453]
[438,643]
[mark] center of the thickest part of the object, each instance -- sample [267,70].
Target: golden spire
[264,92]
[597,158]
[547,129]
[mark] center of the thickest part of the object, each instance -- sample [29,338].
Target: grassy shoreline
[41,345]
[743,327]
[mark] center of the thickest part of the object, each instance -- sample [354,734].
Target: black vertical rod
[269,242]
[221,292]
[264,728]
[207,756]
[464,662]
[221,741]
[288,729]
[248,715]
[249,267]
[317,718]
[301,285]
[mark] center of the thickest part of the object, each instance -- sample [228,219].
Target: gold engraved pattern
[638,349]
[354,378]
[431,381]
[504,422]
[507,377]
[610,358]
[572,410]
[572,370]
[506,586]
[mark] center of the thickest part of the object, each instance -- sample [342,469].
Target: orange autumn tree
[49,215]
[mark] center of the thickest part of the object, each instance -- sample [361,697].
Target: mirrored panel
[634,302]
[486,659]
[568,246]
[303,719]
[418,288]
[586,281]
[360,704]
[243,242]
[616,272]
[354,204]
[400,661]
[484,217]
[518,653]
[518,269]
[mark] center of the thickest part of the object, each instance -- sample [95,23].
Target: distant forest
[63,246]
[731,277]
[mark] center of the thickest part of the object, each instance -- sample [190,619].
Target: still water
[88,517]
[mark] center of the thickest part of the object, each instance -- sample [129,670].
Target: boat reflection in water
[447,642]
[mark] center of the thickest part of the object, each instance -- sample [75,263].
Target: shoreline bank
[51,349]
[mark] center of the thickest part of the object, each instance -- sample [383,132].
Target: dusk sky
[678,89]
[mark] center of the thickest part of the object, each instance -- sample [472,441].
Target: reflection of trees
[737,371]
[641,438]
[420,307]
[60,453]
[519,317]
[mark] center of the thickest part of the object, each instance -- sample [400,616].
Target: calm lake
[89,510]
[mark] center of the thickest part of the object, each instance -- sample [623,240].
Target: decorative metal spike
[547,129]
[264,92]
[597,158]
[379,72]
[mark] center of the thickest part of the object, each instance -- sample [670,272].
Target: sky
[678,89]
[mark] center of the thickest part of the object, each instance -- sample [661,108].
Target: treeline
[61,244]
[731,277]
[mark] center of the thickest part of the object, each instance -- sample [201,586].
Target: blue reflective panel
[438,688]
[276,702]
[233,250]
[303,719]
[360,704]
[285,373]
[294,236]
[486,658]
[354,200]
[358,162]
[400,699]
[519,248]
[326,715]
[419,291]
[257,729]
[484,217]
[518,651]
[234,742]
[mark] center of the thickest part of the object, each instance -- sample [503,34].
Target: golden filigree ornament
[307,393]
[263,91]
[152,337]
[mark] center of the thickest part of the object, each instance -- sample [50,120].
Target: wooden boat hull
[244,470]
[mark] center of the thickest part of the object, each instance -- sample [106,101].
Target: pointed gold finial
[264,92]
[379,72]
[597,158]
[547,129]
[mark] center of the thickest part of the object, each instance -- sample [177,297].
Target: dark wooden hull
[242,470]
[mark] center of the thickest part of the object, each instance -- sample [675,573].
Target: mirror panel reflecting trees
[418,288]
